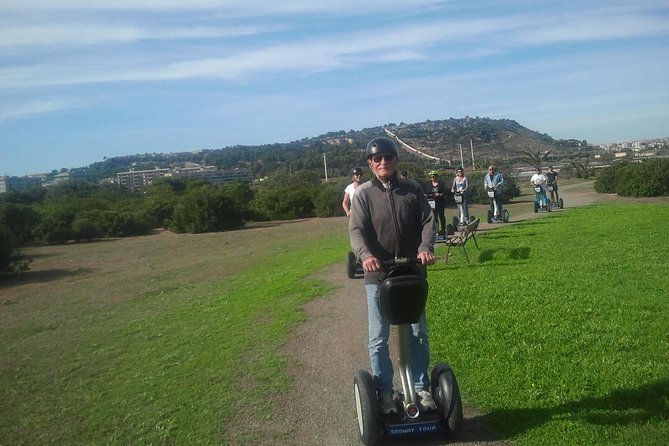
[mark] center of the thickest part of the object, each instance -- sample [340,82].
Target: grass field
[558,330]
[153,340]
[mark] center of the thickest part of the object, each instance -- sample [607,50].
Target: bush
[205,209]
[328,200]
[86,229]
[649,178]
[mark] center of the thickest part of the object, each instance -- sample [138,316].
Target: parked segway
[541,202]
[493,213]
[403,294]
[556,204]
[353,267]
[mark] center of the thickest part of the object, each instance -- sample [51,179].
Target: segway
[493,213]
[448,229]
[539,198]
[403,294]
[353,267]
[459,220]
[560,203]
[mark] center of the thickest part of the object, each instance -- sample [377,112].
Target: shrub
[11,260]
[86,229]
[328,200]
[205,209]
[649,178]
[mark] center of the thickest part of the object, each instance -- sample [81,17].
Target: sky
[85,80]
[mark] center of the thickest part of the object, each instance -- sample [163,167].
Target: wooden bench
[461,237]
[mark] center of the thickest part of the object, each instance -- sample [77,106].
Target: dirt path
[325,352]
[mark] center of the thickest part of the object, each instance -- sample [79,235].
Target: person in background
[461,185]
[539,179]
[436,190]
[552,180]
[494,180]
[392,219]
[356,175]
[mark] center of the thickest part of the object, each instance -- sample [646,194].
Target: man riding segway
[394,222]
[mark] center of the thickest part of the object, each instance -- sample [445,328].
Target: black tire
[489,215]
[549,206]
[561,203]
[456,222]
[350,265]
[505,216]
[367,407]
[536,206]
[450,229]
[446,393]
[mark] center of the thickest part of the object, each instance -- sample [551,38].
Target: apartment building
[137,180]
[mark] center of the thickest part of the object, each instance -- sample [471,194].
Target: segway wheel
[506,216]
[446,393]
[549,206]
[456,222]
[367,407]
[471,218]
[450,229]
[350,265]
[560,203]
[489,215]
[536,206]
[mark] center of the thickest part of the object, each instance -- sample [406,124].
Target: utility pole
[462,160]
[325,166]
[471,146]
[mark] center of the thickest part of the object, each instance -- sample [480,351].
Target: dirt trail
[325,352]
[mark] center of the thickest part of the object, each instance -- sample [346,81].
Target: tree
[580,164]
[535,159]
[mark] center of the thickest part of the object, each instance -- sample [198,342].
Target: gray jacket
[389,223]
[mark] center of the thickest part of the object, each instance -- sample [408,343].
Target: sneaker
[387,402]
[425,400]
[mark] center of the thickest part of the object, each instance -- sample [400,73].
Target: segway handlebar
[401,261]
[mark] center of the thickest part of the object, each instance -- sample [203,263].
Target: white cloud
[12,111]
[250,7]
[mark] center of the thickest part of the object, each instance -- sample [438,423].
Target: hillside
[492,139]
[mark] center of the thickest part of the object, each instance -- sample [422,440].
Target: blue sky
[81,80]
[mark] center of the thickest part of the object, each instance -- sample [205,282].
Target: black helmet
[356,171]
[379,146]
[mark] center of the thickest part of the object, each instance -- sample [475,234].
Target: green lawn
[169,362]
[559,329]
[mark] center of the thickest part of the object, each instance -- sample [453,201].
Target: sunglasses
[387,157]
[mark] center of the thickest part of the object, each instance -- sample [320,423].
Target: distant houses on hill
[133,179]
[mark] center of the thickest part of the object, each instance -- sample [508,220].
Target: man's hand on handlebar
[426,258]
[373,264]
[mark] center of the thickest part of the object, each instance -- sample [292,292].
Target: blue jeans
[379,354]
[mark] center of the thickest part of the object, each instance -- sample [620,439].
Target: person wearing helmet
[392,219]
[436,191]
[356,175]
